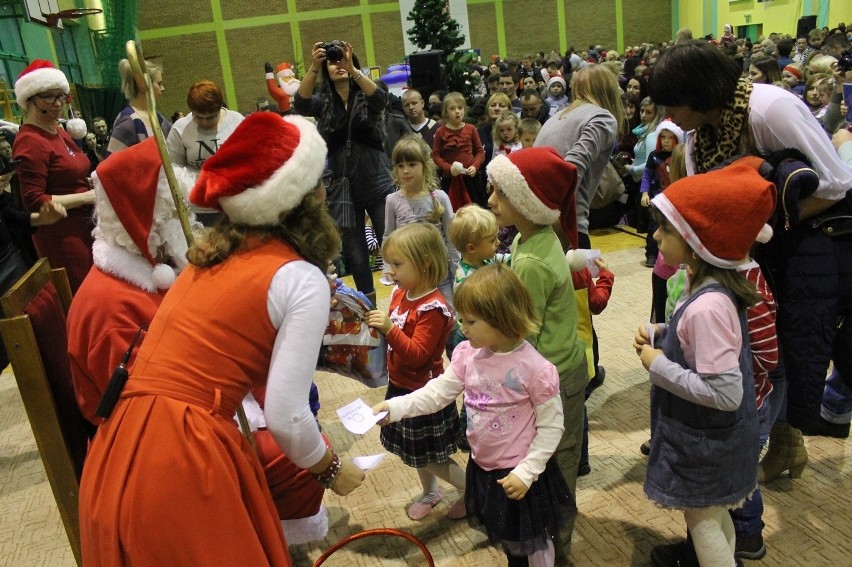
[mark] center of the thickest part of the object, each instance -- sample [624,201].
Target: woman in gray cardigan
[585,133]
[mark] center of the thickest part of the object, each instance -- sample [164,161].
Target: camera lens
[333,52]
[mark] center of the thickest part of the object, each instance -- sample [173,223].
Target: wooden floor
[808,521]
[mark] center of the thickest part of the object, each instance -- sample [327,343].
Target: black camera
[844,64]
[333,50]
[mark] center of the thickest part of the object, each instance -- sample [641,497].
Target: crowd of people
[482,206]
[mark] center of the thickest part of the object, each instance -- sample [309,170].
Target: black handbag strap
[349,135]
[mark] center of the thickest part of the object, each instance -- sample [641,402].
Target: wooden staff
[143,83]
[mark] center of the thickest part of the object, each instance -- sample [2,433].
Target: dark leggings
[356,255]
[368,170]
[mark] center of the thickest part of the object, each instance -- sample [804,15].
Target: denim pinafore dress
[701,456]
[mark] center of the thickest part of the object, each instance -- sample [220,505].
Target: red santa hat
[282,68]
[720,214]
[263,170]
[537,181]
[130,179]
[39,76]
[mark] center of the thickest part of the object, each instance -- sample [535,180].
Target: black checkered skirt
[425,439]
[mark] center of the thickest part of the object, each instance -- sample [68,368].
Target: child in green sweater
[529,187]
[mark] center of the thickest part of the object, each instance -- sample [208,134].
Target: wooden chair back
[36,339]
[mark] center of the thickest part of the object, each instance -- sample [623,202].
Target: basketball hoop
[52,20]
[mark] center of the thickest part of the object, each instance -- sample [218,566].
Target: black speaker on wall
[806,24]
[426,72]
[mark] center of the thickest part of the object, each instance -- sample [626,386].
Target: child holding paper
[516,493]
[416,331]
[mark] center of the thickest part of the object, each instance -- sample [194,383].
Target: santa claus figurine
[282,85]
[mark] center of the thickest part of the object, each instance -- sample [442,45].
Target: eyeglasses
[51,99]
[326,177]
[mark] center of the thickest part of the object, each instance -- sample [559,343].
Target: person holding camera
[349,107]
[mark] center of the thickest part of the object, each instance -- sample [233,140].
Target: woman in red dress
[53,168]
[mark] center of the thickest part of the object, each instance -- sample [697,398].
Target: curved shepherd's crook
[143,83]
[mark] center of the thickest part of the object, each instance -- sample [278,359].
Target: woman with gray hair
[132,124]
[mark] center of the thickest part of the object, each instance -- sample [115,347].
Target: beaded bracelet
[330,473]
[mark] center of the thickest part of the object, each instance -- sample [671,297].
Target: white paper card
[358,417]
[649,327]
[590,262]
[368,462]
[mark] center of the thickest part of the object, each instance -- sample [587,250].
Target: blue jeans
[837,399]
[748,519]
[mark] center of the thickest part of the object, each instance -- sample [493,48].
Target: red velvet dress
[169,479]
[52,164]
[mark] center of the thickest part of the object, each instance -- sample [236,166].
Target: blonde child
[473,231]
[419,199]
[457,151]
[528,129]
[416,331]
[817,95]
[704,428]
[515,492]
[529,187]
[505,134]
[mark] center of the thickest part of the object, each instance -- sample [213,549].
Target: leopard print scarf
[713,146]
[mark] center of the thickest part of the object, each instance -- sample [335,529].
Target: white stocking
[707,527]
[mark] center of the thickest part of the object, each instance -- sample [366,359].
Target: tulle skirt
[519,527]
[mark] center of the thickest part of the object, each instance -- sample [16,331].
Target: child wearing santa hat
[704,430]
[530,187]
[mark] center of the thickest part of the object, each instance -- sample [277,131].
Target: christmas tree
[434,28]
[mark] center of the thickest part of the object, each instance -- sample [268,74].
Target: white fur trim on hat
[671,127]
[38,81]
[284,191]
[130,267]
[509,179]
[665,206]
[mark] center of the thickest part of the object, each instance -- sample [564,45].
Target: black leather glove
[268,67]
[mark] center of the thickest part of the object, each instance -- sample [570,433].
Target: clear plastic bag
[349,346]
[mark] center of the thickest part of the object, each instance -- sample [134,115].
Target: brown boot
[786,452]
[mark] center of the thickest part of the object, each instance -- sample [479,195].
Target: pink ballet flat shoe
[424,505]
[457,510]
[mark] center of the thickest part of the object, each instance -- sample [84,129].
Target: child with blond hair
[419,198]
[416,328]
[528,130]
[458,153]
[515,493]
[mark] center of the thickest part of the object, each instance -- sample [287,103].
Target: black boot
[824,428]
